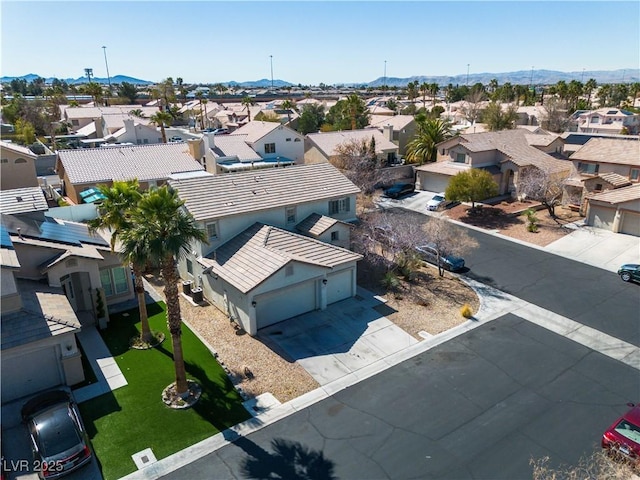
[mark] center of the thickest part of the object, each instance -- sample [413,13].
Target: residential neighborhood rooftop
[328,142]
[316,224]
[619,195]
[609,150]
[22,200]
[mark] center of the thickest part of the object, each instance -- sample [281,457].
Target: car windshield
[57,432]
[628,430]
[438,198]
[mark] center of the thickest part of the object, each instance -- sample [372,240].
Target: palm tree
[424,89]
[248,102]
[161,118]
[589,87]
[121,199]
[353,105]
[423,147]
[289,105]
[433,90]
[164,231]
[95,90]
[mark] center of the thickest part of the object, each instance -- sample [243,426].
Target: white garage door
[630,224]
[339,286]
[601,217]
[26,374]
[286,303]
[434,182]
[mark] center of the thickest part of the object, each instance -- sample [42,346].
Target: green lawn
[134,417]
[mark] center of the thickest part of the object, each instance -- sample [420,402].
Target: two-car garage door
[285,303]
[30,372]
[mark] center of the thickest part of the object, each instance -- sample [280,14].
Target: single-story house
[323,147]
[616,210]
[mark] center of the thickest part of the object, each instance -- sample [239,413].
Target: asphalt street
[479,406]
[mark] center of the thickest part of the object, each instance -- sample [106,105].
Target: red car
[623,437]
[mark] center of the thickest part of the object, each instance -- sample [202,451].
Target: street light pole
[271,63]
[467,74]
[531,81]
[104,50]
[384,86]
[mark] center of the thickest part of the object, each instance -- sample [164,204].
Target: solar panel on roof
[5,239]
[69,233]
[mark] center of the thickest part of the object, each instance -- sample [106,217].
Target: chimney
[196,148]
[128,125]
[387,130]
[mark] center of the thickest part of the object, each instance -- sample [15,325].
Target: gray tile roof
[619,195]
[45,312]
[255,130]
[609,150]
[234,146]
[233,194]
[22,200]
[254,255]
[316,224]
[144,162]
[327,142]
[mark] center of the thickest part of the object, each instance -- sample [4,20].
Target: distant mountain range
[522,77]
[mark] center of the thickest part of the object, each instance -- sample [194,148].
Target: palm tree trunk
[145,334]
[174,322]
[164,134]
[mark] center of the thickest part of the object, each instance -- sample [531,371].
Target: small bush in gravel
[390,281]
[466,311]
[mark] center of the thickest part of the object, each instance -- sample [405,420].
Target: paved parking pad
[332,343]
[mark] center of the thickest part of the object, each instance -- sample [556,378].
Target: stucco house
[273,141]
[617,210]
[505,155]
[606,120]
[79,117]
[18,167]
[85,168]
[255,268]
[403,129]
[323,147]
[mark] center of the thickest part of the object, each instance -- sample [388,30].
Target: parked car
[429,254]
[176,139]
[629,271]
[623,437]
[437,202]
[59,441]
[399,189]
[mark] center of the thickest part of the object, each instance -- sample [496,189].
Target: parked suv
[398,189]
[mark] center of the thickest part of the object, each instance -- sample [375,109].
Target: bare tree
[472,108]
[447,240]
[556,119]
[544,185]
[359,163]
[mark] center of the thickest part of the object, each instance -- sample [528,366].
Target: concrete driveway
[332,343]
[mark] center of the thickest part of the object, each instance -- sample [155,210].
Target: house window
[598,187]
[189,267]
[335,236]
[635,174]
[212,230]
[75,123]
[595,119]
[288,270]
[339,206]
[145,140]
[296,140]
[269,148]
[114,281]
[589,168]
[290,213]
[288,139]
[5,160]
[461,158]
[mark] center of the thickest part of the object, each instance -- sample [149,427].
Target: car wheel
[625,276]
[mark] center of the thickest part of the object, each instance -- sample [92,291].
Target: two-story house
[504,154]
[402,129]
[324,146]
[606,120]
[273,140]
[255,268]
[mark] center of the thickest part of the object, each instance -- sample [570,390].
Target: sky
[331,42]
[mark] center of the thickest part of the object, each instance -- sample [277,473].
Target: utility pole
[104,50]
[582,78]
[531,81]
[467,74]
[384,82]
[271,62]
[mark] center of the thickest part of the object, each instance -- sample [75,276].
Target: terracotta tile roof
[316,224]
[327,142]
[615,179]
[254,255]
[618,195]
[233,194]
[144,162]
[22,200]
[609,150]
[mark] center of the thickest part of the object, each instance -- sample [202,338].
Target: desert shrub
[532,220]
[466,311]
[390,281]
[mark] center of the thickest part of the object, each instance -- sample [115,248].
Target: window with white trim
[461,158]
[269,148]
[335,236]
[342,205]
[212,230]
[589,168]
[189,267]
[114,281]
[635,174]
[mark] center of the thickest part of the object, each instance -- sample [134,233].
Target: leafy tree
[392,105]
[54,97]
[19,85]
[26,131]
[422,149]
[311,118]
[498,119]
[129,91]
[349,114]
[116,210]
[166,93]
[247,102]
[267,117]
[165,231]
[436,112]
[472,185]
[161,119]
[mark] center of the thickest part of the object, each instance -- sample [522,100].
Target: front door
[67,286]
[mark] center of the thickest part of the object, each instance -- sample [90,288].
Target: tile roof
[614,179]
[97,112]
[515,145]
[17,149]
[144,162]
[397,121]
[255,130]
[609,150]
[316,224]
[618,195]
[254,255]
[22,200]
[327,142]
[234,146]
[45,313]
[233,194]
[445,168]
[116,120]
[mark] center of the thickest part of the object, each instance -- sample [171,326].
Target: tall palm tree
[95,90]
[121,199]
[289,105]
[161,118]
[423,148]
[433,90]
[164,231]
[424,89]
[247,101]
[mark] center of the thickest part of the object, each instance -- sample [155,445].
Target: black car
[59,440]
[629,271]
[399,189]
